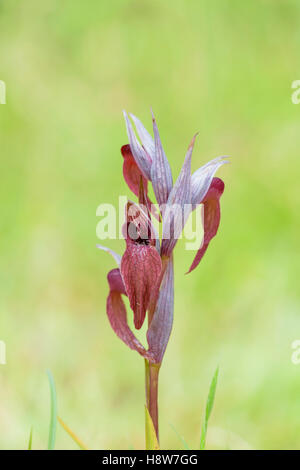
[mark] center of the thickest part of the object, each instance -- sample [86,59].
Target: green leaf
[209,406]
[151,439]
[72,434]
[184,443]
[53,412]
[30,440]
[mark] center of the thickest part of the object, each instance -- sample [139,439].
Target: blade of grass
[151,439]
[72,434]
[180,437]
[209,406]
[30,440]
[53,412]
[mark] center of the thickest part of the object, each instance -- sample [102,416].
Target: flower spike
[145,272]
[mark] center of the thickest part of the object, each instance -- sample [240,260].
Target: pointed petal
[161,175]
[117,315]
[131,172]
[202,178]
[145,137]
[132,175]
[115,281]
[211,204]
[176,211]
[161,325]
[111,252]
[140,269]
[142,158]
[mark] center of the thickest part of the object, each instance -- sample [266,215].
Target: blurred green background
[224,69]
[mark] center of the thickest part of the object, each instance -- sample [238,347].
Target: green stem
[151,381]
[147,381]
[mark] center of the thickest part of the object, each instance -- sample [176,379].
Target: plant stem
[147,382]
[151,382]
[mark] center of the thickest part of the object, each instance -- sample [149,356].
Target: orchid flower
[145,271]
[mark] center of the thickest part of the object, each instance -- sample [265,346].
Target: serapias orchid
[145,271]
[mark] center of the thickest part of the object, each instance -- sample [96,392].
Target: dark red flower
[145,271]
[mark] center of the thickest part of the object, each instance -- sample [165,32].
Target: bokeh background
[224,69]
